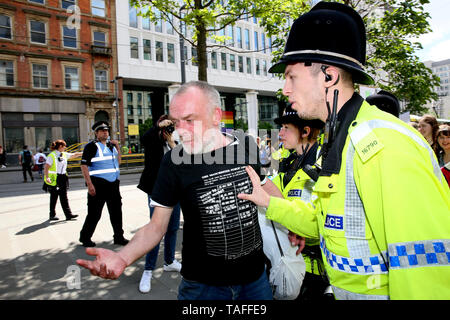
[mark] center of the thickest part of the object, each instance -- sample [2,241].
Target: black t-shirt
[222,242]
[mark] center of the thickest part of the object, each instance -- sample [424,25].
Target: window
[6,73]
[263,42]
[70,135]
[133,16]
[71,78]
[69,37]
[270,44]
[40,76]
[5,27]
[145,20]
[256,41]
[258,72]
[134,48]
[37,1]
[14,139]
[130,97]
[99,39]
[185,54]
[158,23]
[171,53]
[139,110]
[223,60]
[101,82]
[67,3]
[147,50]
[214,60]
[247,39]
[232,62]
[239,37]
[129,111]
[37,31]
[249,65]
[241,63]
[98,7]
[43,137]
[169,27]
[159,51]
[194,56]
[231,35]
[265,67]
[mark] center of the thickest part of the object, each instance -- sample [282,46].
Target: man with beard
[222,251]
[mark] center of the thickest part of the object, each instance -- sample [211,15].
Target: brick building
[56,68]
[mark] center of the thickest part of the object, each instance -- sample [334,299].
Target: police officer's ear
[305,132]
[331,75]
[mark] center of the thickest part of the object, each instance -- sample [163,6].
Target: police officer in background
[382,212]
[100,167]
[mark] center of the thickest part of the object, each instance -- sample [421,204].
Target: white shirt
[37,156]
[61,166]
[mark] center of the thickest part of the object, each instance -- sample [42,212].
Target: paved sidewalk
[37,257]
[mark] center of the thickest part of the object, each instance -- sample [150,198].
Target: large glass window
[37,31]
[70,37]
[158,23]
[98,8]
[249,65]
[43,138]
[263,42]
[145,20]
[134,48]
[223,60]
[265,67]
[171,53]
[70,135]
[101,82]
[147,49]
[99,39]
[239,37]
[6,73]
[257,67]
[241,63]
[67,3]
[247,39]
[169,27]
[231,35]
[194,56]
[232,62]
[14,139]
[5,27]
[159,51]
[71,78]
[214,60]
[40,76]
[37,1]
[133,16]
[256,41]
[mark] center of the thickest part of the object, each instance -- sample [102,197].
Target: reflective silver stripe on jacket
[342,294]
[103,171]
[420,253]
[101,157]
[307,190]
[364,128]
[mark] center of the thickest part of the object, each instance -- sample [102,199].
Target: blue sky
[436,44]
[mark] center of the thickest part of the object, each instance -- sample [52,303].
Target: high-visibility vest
[383,220]
[105,164]
[53,171]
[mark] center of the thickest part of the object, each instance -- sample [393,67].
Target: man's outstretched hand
[258,196]
[107,264]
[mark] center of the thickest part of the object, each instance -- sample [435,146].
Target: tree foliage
[391,26]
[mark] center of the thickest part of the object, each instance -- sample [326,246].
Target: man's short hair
[210,92]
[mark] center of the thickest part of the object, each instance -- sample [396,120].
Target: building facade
[56,67]
[149,65]
[441,107]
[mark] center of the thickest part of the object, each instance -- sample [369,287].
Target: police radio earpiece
[327,76]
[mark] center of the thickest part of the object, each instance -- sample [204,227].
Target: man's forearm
[85,172]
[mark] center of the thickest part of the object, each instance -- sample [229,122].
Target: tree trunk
[202,55]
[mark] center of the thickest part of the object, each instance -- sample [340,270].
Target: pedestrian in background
[56,181]
[428,127]
[26,160]
[100,167]
[443,140]
[157,141]
[2,157]
[39,160]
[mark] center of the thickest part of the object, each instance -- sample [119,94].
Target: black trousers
[109,193]
[26,167]
[60,190]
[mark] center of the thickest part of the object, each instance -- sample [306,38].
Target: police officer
[385,101]
[100,168]
[382,209]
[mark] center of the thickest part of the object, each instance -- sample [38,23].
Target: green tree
[205,18]
[143,127]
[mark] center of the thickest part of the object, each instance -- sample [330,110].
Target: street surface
[37,257]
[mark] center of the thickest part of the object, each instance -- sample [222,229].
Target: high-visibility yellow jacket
[384,219]
[52,171]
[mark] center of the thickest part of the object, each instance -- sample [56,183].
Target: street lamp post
[183,71]
[116,105]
